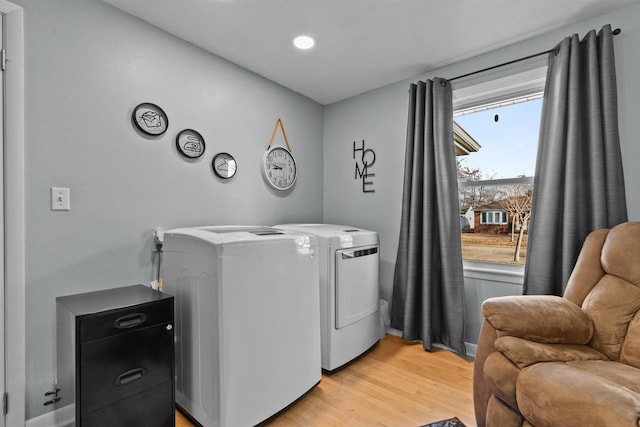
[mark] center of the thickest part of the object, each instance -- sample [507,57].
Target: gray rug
[451,422]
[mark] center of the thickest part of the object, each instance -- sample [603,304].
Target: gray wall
[87,66]
[380,118]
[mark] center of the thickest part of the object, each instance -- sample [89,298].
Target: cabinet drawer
[151,408]
[123,365]
[114,322]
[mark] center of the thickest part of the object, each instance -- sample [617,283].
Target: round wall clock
[190,143]
[279,168]
[150,119]
[224,165]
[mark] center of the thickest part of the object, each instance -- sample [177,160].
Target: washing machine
[247,320]
[349,290]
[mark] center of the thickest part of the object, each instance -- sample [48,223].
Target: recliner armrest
[523,353]
[539,318]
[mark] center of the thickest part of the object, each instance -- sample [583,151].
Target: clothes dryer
[349,290]
[247,320]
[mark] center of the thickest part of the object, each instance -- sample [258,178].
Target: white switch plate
[60,199]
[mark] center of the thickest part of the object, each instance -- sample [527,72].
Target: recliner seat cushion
[579,394]
[619,373]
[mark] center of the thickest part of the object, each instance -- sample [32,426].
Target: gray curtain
[579,185]
[428,286]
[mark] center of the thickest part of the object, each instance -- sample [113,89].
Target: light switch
[60,199]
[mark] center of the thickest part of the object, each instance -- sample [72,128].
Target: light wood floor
[396,384]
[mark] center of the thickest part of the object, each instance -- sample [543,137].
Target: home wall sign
[150,119]
[365,159]
[190,143]
[224,165]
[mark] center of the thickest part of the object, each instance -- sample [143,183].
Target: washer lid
[258,231]
[342,236]
[230,234]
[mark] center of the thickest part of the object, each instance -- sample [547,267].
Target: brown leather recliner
[567,361]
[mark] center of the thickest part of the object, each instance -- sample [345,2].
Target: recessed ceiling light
[303,42]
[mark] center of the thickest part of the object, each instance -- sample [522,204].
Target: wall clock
[150,119]
[190,143]
[279,168]
[224,165]
[278,165]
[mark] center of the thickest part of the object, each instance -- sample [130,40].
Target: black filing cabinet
[115,357]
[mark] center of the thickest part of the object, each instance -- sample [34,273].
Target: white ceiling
[360,44]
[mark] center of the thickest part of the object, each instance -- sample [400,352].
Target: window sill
[496,272]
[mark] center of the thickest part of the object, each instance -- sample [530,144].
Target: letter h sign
[367,159]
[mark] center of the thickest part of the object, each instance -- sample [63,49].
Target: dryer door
[356,284]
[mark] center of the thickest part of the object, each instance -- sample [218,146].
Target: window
[494,217]
[496,126]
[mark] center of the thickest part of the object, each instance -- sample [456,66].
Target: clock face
[279,168]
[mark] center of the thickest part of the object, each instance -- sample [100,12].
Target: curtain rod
[614,32]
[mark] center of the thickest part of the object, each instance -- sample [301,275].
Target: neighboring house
[492,218]
[464,224]
[468,218]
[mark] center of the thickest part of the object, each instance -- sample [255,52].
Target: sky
[508,146]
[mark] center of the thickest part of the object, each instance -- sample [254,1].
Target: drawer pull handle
[130,320]
[129,376]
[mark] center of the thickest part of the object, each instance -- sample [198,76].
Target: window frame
[519,83]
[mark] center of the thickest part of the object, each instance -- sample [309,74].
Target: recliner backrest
[606,284]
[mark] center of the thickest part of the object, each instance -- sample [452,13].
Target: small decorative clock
[150,119]
[278,165]
[190,143]
[224,165]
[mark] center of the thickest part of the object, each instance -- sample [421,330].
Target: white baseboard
[395,332]
[61,417]
[469,347]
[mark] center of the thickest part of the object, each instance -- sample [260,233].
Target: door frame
[14,200]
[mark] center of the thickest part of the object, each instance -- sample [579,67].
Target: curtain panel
[428,288]
[579,183]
